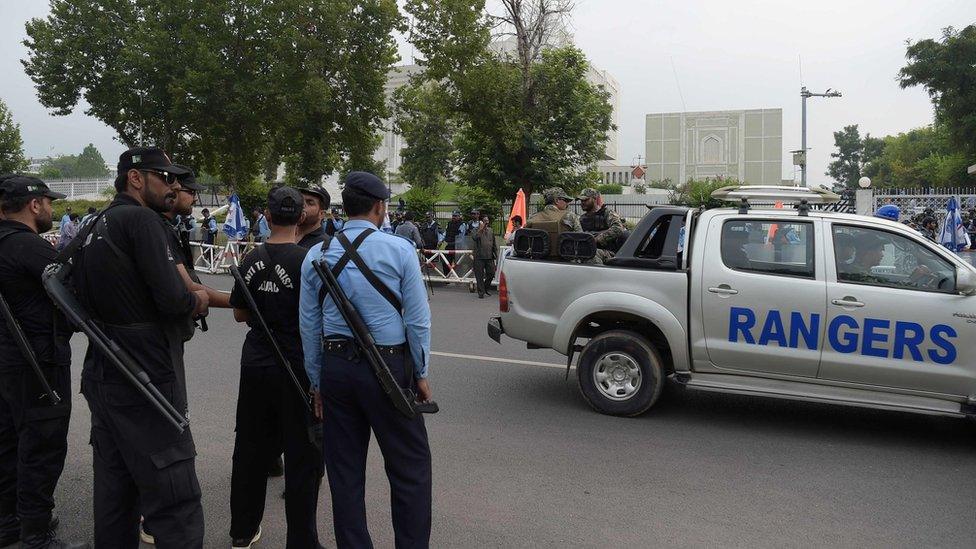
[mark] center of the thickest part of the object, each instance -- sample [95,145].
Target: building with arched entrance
[745,144]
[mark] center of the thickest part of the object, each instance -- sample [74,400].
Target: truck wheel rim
[617,376]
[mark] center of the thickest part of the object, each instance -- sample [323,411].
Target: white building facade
[742,144]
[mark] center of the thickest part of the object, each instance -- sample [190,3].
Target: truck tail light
[502,294]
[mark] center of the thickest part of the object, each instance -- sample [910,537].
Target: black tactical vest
[595,222]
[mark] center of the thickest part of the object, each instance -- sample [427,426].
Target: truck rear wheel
[620,373]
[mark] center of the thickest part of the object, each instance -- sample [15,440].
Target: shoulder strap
[353,255]
[341,264]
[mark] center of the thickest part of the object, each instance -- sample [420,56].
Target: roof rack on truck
[802,196]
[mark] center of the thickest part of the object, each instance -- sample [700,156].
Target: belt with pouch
[345,345]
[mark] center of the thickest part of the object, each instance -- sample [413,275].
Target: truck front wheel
[620,373]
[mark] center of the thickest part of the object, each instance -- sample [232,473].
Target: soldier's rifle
[256,314]
[403,400]
[119,357]
[25,349]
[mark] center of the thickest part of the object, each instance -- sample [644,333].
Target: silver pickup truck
[789,303]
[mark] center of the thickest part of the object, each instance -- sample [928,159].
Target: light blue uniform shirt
[264,231]
[394,260]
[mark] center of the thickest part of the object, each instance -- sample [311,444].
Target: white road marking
[495,359]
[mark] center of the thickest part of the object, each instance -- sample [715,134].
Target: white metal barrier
[451,266]
[215,259]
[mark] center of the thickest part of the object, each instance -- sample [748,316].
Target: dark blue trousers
[353,404]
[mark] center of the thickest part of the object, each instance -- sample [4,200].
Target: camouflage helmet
[552,193]
[589,192]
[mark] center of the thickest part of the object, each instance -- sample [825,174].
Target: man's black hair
[92,210]
[73,217]
[356,203]
[286,220]
[408,216]
[15,204]
[517,218]
[120,182]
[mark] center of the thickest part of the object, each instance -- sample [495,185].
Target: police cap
[22,185]
[319,192]
[189,181]
[589,192]
[149,158]
[284,201]
[367,183]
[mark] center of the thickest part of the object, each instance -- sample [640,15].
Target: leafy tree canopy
[11,145]
[947,70]
[853,155]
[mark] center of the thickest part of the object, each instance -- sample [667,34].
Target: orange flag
[773,228]
[518,208]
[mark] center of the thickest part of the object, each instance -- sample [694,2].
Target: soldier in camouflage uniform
[607,226]
[555,218]
[557,200]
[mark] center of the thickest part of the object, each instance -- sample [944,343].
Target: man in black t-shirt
[268,407]
[33,432]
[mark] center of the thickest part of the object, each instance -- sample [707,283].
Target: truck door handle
[723,289]
[847,302]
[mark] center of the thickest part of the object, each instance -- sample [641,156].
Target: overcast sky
[731,54]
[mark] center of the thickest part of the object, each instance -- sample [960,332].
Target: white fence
[82,189]
[913,204]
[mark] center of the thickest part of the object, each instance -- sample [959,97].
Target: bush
[640,188]
[661,184]
[697,193]
[475,198]
[253,194]
[610,189]
[79,207]
[420,200]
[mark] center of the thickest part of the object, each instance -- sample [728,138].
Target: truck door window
[657,237]
[880,258]
[769,247]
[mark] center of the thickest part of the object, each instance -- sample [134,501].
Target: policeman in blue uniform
[348,396]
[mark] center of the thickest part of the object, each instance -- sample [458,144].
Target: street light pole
[805,93]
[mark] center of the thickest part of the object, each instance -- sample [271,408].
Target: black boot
[9,530]
[48,540]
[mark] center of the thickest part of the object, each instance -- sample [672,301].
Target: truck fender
[624,303]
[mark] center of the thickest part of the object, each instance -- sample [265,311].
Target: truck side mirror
[965,281]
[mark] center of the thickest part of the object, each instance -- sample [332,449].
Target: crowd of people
[927,224]
[129,269]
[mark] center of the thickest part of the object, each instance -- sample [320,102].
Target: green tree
[853,155]
[526,121]
[11,145]
[90,164]
[923,157]
[228,86]
[422,116]
[947,70]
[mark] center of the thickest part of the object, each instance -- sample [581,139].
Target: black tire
[616,347]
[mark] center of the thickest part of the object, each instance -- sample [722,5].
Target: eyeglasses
[169,178]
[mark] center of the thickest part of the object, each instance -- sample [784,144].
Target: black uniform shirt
[314,237]
[23,257]
[275,285]
[139,286]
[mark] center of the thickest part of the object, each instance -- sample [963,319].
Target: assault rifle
[403,400]
[119,357]
[282,360]
[25,348]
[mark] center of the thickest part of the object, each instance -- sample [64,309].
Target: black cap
[22,185]
[320,193]
[367,183]
[148,158]
[284,201]
[188,181]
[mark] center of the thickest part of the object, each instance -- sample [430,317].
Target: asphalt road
[521,461]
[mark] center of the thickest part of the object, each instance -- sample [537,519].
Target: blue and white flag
[953,234]
[235,227]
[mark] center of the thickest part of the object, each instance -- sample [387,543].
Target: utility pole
[805,93]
